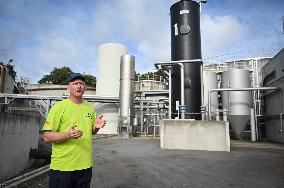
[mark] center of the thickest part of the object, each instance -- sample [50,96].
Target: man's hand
[73,133]
[100,122]
[57,137]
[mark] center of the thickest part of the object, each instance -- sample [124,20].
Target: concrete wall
[53,90]
[148,85]
[195,135]
[9,84]
[18,133]
[6,80]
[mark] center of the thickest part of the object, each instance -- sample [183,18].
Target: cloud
[40,35]
[141,26]
[220,32]
[39,41]
[67,35]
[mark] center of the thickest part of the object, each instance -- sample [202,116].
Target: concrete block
[195,135]
[18,134]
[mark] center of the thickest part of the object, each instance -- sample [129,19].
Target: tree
[23,80]
[57,76]
[60,76]
[90,80]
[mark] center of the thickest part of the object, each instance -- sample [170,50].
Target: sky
[42,34]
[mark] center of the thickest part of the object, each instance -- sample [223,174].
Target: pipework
[281,122]
[248,89]
[181,64]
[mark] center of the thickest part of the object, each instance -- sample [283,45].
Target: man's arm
[54,137]
[95,130]
[100,123]
[51,137]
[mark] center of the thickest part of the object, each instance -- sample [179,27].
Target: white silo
[210,82]
[238,103]
[108,83]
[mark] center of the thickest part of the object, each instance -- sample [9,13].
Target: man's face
[76,87]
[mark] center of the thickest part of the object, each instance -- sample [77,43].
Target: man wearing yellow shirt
[69,127]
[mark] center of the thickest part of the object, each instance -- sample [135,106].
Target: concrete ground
[139,162]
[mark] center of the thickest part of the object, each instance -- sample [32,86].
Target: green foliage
[57,76]
[60,76]
[90,80]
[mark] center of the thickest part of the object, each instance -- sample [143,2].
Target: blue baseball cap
[74,76]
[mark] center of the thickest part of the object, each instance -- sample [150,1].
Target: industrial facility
[196,105]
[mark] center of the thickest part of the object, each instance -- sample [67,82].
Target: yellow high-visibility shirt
[72,154]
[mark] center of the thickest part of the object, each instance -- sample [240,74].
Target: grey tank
[238,103]
[210,82]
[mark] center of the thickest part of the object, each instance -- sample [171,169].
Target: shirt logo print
[89,115]
[46,123]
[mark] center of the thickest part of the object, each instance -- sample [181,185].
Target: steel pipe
[247,89]
[252,125]
[182,89]
[181,64]
[170,94]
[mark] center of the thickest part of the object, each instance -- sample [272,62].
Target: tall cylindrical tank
[238,103]
[210,82]
[109,69]
[186,45]
[108,83]
[126,94]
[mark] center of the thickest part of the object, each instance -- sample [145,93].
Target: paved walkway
[139,162]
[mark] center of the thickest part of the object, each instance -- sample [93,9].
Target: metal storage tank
[225,83]
[238,103]
[109,69]
[136,85]
[126,95]
[210,82]
[148,85]
[108,83]
[186,45]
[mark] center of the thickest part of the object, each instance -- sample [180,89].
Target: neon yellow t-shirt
[72,154]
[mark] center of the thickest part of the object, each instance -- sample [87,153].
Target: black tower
[186,45]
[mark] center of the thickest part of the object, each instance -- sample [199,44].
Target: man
[69,127]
